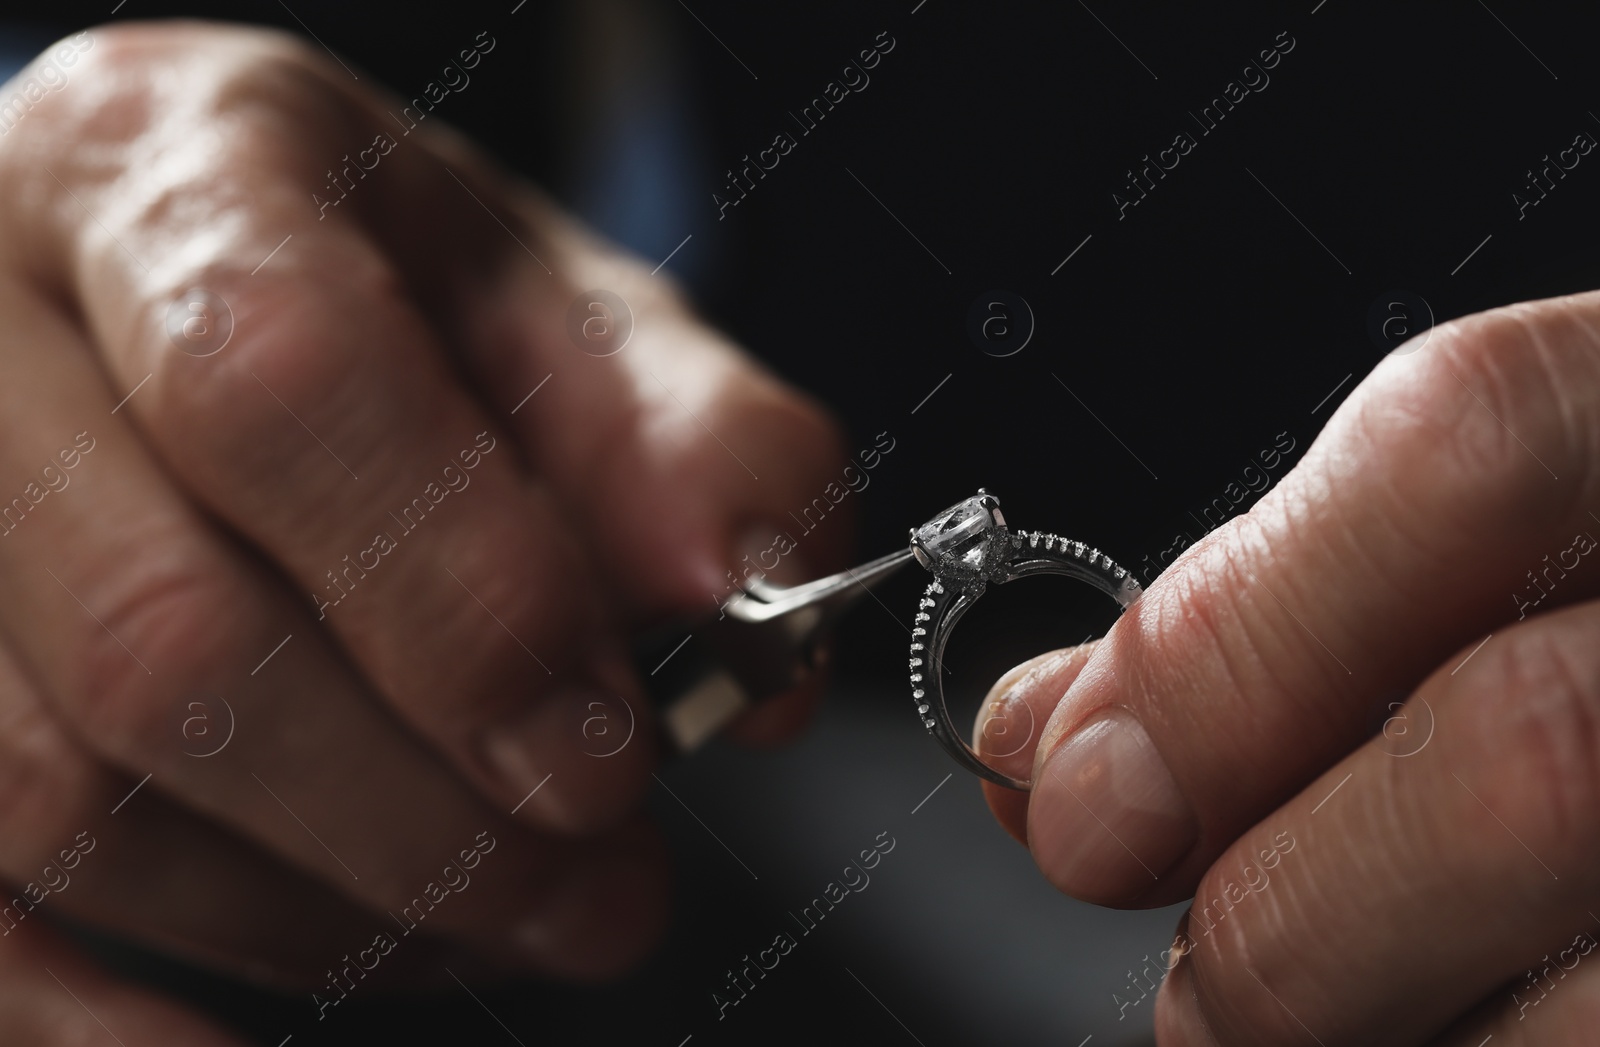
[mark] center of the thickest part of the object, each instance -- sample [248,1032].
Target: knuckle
[229,66]
[1468,433]
[1534,717]
[281,74]
[166,616]
[210,99]
[36,110]
[1533,367]
[1210,617]
[124,83]
[297,348]
[1192,613]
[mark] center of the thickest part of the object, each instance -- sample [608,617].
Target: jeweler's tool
[764,640]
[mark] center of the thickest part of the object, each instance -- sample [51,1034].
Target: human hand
[300,558]
[1363,871]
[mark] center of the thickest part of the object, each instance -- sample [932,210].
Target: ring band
[966,548]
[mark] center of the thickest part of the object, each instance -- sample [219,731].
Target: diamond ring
[966,548]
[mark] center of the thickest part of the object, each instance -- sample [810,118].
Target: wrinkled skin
[183,511]
[1385,821]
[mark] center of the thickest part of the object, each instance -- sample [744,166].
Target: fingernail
[570,735]
[518,747]
[1106,819]
[1006,730]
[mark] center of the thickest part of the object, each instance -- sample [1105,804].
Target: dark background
[1176,344]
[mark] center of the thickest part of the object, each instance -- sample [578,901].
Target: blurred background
[953,256]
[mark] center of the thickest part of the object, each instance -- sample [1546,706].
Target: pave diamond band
[967,548]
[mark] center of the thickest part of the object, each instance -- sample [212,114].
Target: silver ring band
[966,548]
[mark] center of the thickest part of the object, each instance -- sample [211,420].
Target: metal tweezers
[765,640]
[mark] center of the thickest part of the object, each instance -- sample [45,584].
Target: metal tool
[764,640]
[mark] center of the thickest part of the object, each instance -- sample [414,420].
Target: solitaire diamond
[959,541]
